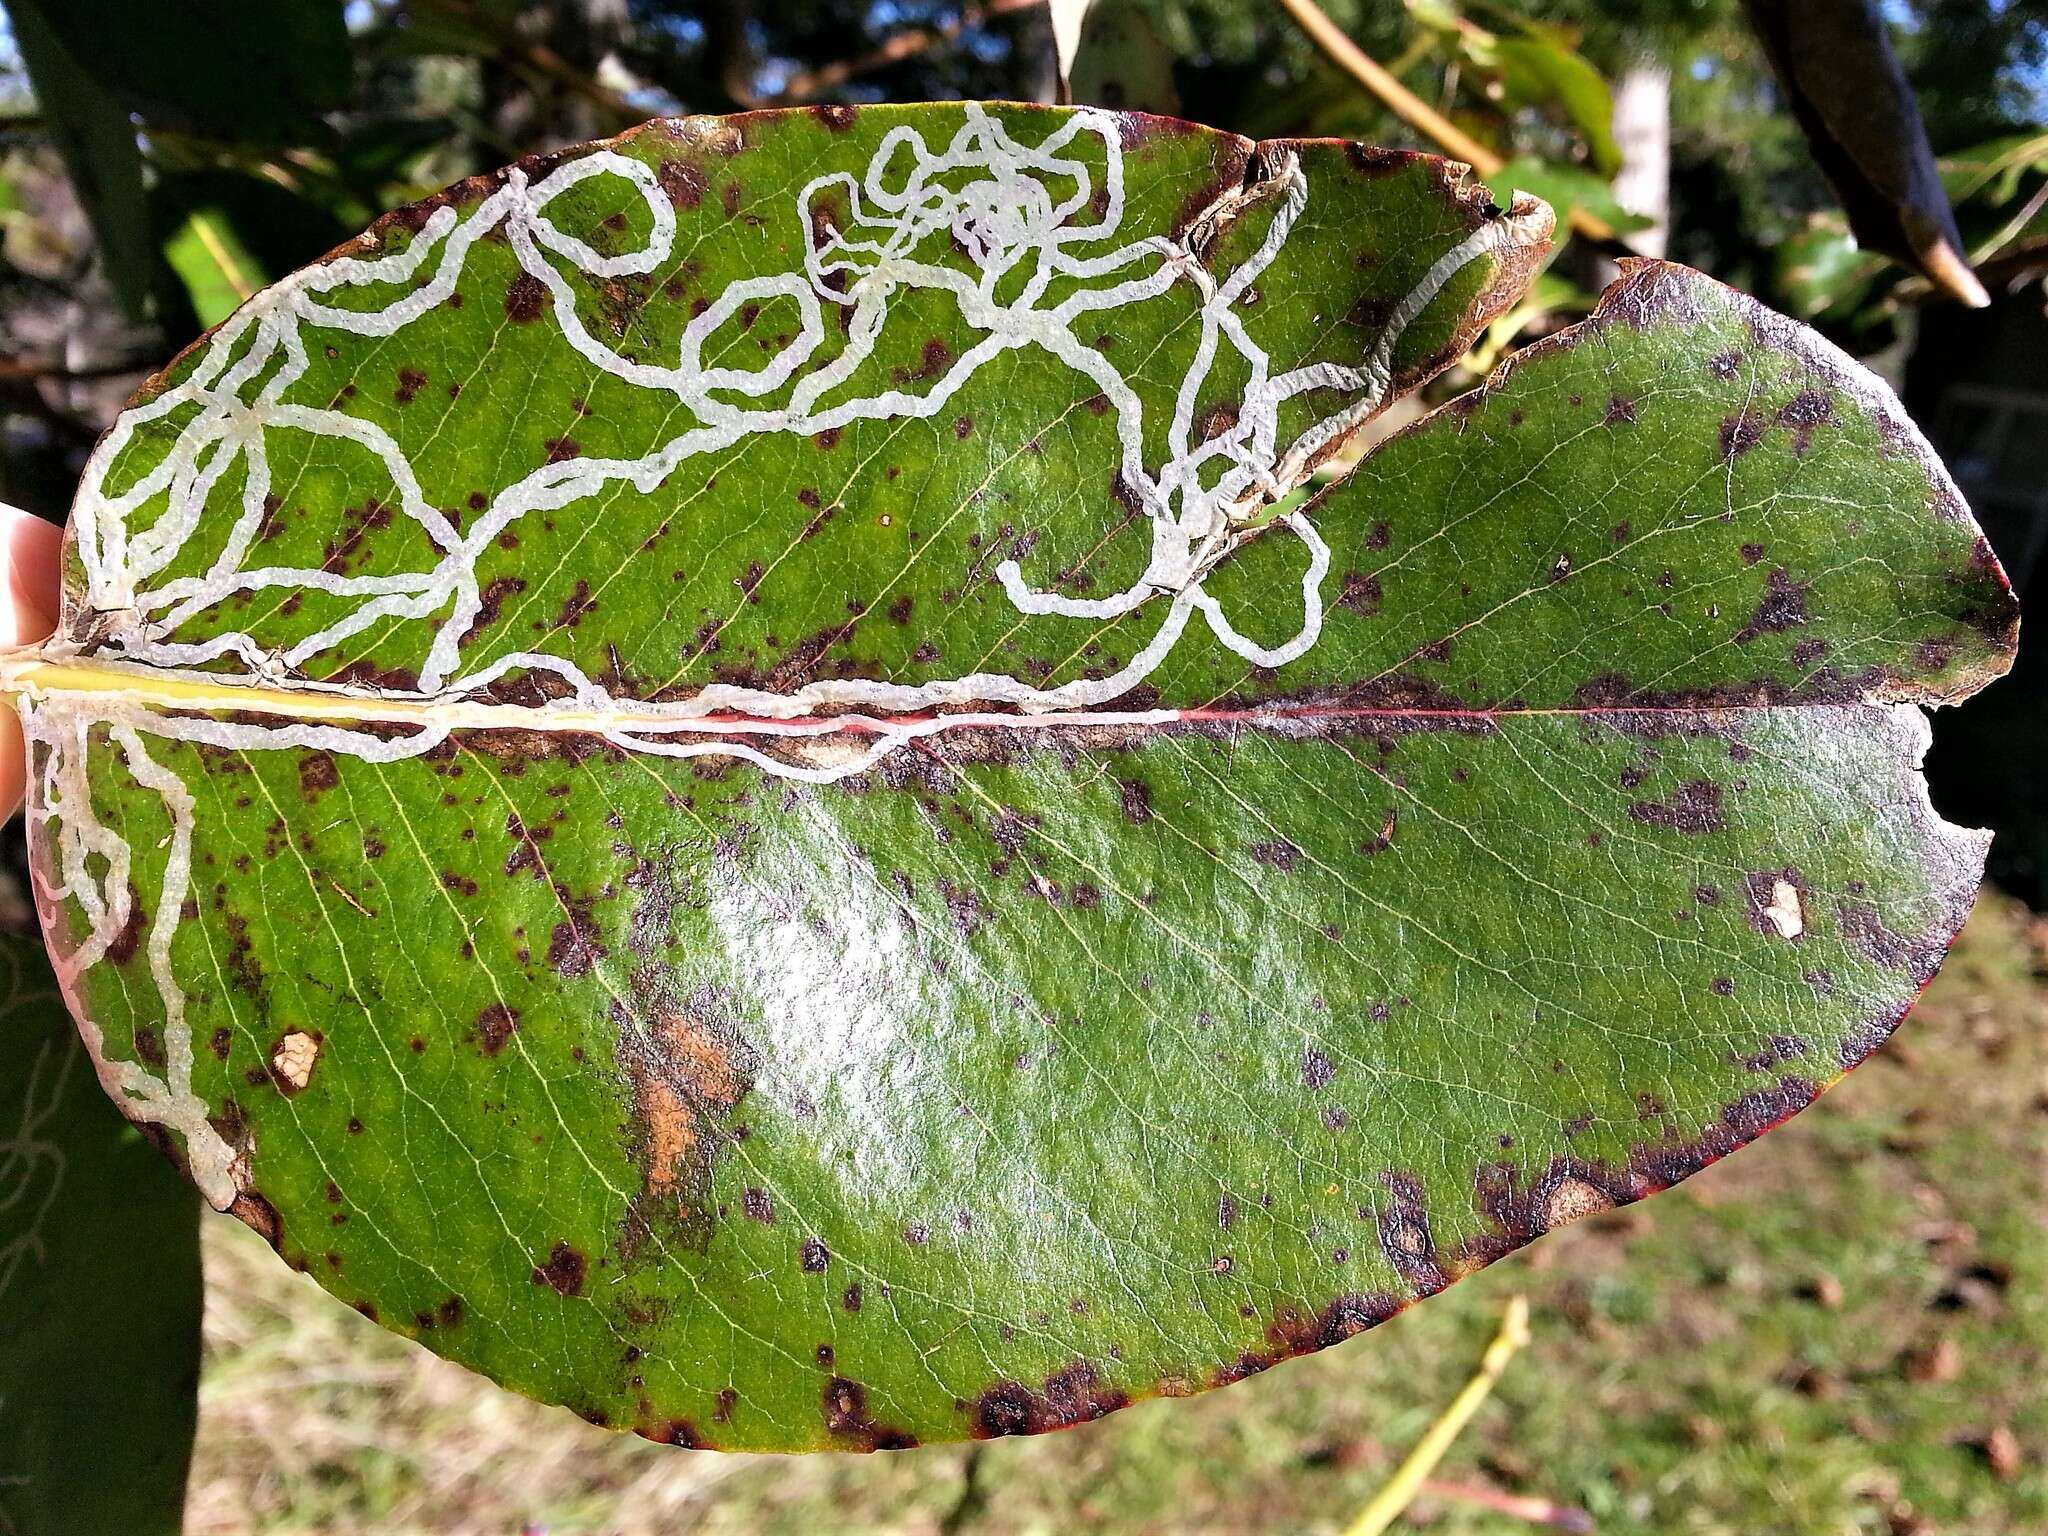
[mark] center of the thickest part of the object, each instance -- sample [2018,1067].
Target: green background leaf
[1566,186]
[254,73]
[99,1288]
[1531,819]
[219,272]
[98,145]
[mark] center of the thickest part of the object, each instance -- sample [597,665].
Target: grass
[1841,1330]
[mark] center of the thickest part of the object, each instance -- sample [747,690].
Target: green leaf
[732,805]
[218,270]
[1822,269]
[1995,169]
[1537,64]
[1122,62]
[1848,92]
[97,143]
[1565,186]
[258,74]
[99,1288]
[1538,70]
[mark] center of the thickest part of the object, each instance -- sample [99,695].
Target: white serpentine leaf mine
[1019,212]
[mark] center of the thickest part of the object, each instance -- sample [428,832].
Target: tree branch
[810,83]
[1412,109]
[537,59]
[15,369]
[1543,1512]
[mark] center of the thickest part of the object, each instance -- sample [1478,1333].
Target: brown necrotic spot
[1281,854]
[562,1270]
[260,1216]
[1571,1188]
[494,1026]
[491,602]
[814,1256]
[1074,1395]
[1918,955]
[318,773]
[1316,1070]
[1783,606]
[1136,797]
[578,604]
[1740,432]
[575,945]
[1405,1235]
[680,1432]
[847,1418]
[1694,808]
[1295,1330]
[1360,593]
[1802,414]
[127,938]
[526,299]
[934,359]
[684,183]
[1390,822]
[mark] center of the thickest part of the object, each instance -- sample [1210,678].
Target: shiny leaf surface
[725,778]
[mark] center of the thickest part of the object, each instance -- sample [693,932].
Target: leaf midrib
[155,689]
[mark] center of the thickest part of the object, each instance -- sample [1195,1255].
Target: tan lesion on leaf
[1784,911]
[690,1075]
[1573,1200]
[687,1069]
[292,1059]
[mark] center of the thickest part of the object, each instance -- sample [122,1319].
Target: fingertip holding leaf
[33,592]
[704,775]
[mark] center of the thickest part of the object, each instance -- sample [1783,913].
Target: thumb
[30,598]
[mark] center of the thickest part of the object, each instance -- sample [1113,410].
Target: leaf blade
[952,1068]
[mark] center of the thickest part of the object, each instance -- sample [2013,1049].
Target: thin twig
[2012,228]
[13,369]
[973,1496]
[1544,1512]
[1396,97]
[537,58]
[1401,1488]
[1412,109]
[809,83]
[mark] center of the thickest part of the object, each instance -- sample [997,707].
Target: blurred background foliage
[162,160]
